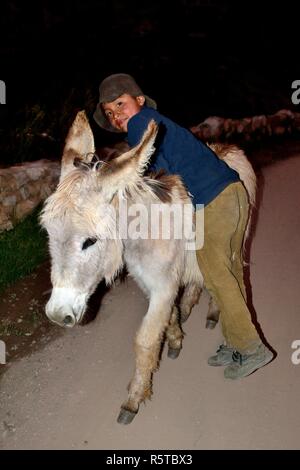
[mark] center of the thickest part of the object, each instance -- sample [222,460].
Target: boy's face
[119,111]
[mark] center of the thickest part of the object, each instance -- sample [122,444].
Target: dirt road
[67,395]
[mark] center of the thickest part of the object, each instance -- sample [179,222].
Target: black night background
[196,58]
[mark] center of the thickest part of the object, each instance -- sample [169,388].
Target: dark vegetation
[21,250]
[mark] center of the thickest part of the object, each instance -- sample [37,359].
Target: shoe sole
[220,365]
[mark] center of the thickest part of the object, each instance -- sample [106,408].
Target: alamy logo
[296,94]
[2,352]
[2,92]
[296,354]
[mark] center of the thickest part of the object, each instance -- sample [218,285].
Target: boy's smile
[119,111]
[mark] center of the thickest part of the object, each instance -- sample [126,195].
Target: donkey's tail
[237,160]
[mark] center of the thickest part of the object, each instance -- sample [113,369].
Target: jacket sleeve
[136,128]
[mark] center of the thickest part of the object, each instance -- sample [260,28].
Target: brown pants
[221,263]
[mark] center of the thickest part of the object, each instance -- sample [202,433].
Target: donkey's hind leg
[147,351]
[174,334]
[212,315]
[189,298]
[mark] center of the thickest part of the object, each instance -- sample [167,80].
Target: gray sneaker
[223,357]
[245,364]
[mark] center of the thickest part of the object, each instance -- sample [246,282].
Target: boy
[123,107]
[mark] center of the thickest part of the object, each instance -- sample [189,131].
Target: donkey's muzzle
[66,306]
[61,317]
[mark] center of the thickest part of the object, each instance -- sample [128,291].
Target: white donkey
[81,218]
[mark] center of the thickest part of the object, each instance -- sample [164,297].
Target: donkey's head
[81,218]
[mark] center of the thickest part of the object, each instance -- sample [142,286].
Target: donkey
[81,217]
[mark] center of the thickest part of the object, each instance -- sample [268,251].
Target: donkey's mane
[72,191]
[64,198]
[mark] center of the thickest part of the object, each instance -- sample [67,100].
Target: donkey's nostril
[68,320]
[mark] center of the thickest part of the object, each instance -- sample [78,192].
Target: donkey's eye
[88,242]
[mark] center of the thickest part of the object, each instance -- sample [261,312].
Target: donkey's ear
[125,171]
[79,144]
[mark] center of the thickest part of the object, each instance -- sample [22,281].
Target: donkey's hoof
[184,317]
[173,353]
[210,324]
[126,416]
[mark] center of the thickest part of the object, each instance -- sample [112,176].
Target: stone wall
[282,123]
[23,187]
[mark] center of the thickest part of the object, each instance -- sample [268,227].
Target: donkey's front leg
[147,349]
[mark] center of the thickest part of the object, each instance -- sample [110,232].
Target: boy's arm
[136,128]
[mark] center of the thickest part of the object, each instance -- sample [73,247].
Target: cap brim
[150,102]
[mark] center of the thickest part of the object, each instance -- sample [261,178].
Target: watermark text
[2,352]
[154,222]
[296,94]
[2,92]
[295,358]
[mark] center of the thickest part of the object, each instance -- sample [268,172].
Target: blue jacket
[179,152]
